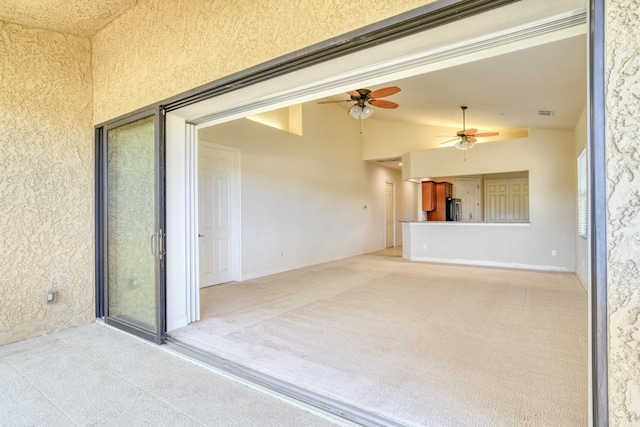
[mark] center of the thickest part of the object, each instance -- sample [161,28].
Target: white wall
[548,155]
[304,197]
[582,249]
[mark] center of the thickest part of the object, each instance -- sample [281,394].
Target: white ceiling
[80,17]
[502,92]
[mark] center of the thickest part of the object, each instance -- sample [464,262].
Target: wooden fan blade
[383,103]
[471,139]
[449,141]
[386,91]
[485,134]
[333,102]
[354,93]
[470,131]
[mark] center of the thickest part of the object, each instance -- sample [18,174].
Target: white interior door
[215,216]
[389,215]
[496,201]
[519,189]
[468,191]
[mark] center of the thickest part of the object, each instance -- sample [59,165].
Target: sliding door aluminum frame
[101,228]
[418,20]
[598,214]
[415,21]
[99,249]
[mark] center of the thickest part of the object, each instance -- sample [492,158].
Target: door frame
[101,224]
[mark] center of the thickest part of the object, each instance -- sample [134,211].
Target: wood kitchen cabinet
[443,190]
[428,196]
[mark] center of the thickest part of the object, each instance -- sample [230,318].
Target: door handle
[200,235]
[154,244]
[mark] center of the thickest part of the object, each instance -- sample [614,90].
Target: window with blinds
[582,194]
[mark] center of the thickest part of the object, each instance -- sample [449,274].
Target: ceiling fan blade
[450,141]
[333,102]
[470,131]
[386,91]
[354,93]
[471,139]
[485,134]
[383,103]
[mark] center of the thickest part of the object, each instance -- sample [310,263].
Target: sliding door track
[307,397]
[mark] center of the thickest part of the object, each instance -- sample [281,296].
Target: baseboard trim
[278,270]
[323,404]
[481,263]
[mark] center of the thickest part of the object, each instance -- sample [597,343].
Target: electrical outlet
[424,246]
[294,252]
[52,296]
[554,253]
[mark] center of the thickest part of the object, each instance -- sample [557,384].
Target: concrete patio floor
[96,375]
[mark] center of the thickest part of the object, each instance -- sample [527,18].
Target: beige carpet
[424,344]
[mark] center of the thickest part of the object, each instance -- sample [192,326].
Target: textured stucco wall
[46,181]
[623,234]
[162,48]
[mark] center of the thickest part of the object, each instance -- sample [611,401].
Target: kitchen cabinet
[443,190]
[428,196]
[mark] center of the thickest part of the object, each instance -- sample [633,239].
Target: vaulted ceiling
[502,92]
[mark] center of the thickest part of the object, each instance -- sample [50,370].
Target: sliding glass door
[133,225]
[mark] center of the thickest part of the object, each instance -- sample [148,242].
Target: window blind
[582,194]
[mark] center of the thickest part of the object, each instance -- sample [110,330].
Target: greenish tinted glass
[131,224]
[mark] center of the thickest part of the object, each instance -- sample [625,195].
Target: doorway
[468,191]
[214,117]
[389,214]
[217,213]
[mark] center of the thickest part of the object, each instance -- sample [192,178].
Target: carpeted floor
[424,344]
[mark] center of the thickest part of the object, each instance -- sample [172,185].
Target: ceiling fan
[362,97]
[466,138]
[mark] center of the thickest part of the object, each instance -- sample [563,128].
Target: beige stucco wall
[162,48]
[623,209]
[46,181]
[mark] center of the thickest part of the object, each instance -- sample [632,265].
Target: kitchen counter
[467,223]
[495,244]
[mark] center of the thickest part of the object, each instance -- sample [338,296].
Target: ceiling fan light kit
[358,112]
[464,144]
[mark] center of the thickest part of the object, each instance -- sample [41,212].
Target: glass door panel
[134,236]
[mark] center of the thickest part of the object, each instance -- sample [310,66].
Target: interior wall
[548,155]
[622,80]
[582,245]
[307,199]
[163,48]
[46,181]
